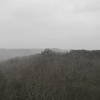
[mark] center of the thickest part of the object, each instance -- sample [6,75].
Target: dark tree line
[73,75]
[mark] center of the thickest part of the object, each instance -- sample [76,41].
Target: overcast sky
[70,24]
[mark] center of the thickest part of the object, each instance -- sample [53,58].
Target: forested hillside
[50,75]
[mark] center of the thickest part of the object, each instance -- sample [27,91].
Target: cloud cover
[70,24]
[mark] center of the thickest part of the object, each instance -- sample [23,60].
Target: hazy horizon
[64,24]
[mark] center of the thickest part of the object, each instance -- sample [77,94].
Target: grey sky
[70,24]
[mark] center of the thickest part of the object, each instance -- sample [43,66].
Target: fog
[69,24]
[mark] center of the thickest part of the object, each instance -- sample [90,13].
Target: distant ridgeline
[52,74]
[6,54]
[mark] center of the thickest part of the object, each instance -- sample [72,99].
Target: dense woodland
[73,75]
